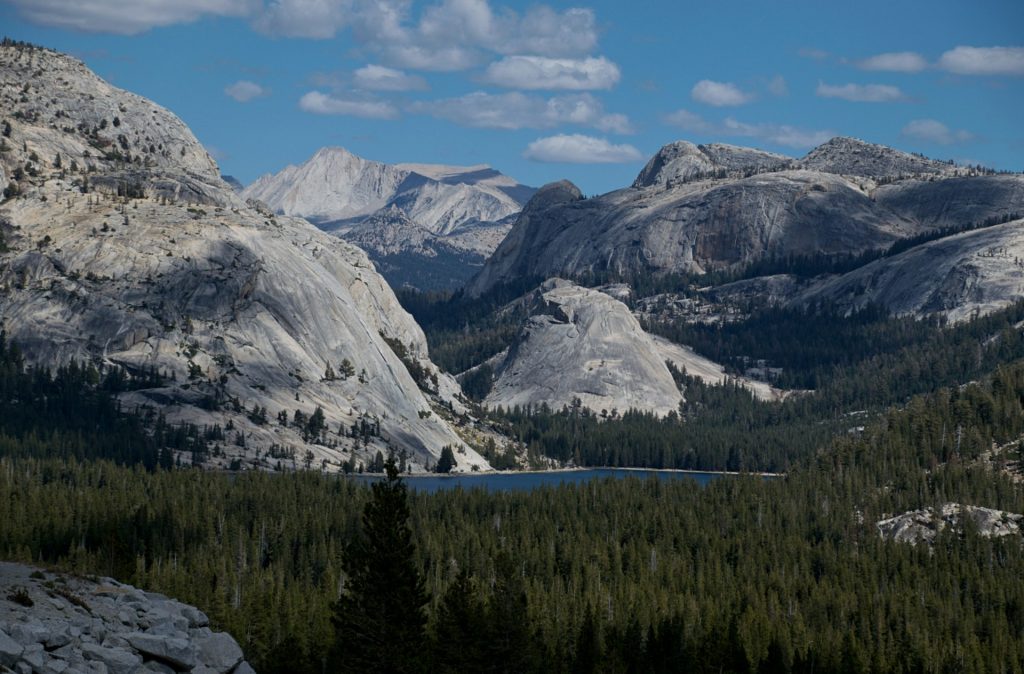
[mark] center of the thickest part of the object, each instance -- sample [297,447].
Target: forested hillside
[745,574]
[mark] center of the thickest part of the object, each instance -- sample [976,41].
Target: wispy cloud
[324,104]
[379,78]
[719,94]
[448,35]
[900,62]
[861,93]
[127,17]
[934,131]
[540,72]
[984,61]
[777,86]
[516,110]
[580,149]
[778,134]
[244,91]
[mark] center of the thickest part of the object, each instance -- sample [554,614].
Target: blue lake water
[528,481]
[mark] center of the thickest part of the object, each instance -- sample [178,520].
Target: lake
[526,481]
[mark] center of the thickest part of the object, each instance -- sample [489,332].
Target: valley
[745,412]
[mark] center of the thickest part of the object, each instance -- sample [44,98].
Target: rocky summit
[694,209]
[447,219]
[121,247]
[52,623]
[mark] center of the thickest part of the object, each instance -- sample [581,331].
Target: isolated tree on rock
[379,620]
[447,460]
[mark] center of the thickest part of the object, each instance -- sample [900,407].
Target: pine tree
[447,460]
[457,643]
[379,620]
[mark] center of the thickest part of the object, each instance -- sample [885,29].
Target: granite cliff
[123,247]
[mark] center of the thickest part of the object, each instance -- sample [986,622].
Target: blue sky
[583,91]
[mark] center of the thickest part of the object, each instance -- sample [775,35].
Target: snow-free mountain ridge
[465,210]
[697,208]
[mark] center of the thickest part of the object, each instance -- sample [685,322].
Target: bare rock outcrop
[50,622]
[580,344]
[248,316]
[972,273]
[855,157]
[922,526]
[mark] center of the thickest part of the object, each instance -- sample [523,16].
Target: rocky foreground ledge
[51,623]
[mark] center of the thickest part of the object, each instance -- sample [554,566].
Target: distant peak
[844,155]
[562,191]
[332,151]
[682,161]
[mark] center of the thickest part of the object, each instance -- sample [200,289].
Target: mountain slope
[700,208]
[350,196]
[122,246]
[975,272]
[582,344]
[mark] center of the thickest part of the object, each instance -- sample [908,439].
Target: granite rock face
[854,157]
[711,207]
[66,624]
[121,256]
[682,162]
[582,344]
[959,276]
[922,526]
[434,210]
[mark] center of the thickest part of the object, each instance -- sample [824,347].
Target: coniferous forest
[743,575]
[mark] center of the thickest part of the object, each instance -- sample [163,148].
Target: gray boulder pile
[58,624]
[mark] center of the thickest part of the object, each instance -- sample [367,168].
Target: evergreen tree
[379,620]
[447,460]
[457,643]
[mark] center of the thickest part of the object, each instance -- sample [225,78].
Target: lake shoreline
[580,469]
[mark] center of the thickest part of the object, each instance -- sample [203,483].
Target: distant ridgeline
[800,265]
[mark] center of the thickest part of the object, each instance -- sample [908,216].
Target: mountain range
[695,209]
[123,247]
[425,225]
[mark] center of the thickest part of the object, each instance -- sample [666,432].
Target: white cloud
[689,121]
[778,134]
[379,78]
[449,34]
[580,149]
[719,93]
[127,17]
[540,72]
[614,123]
[900,62]
[324,104]
[314,19]
[457,34]
[244,91]
[934,131]
[436,59]
[516,110]
[984,61]
[861,93]
[547,32]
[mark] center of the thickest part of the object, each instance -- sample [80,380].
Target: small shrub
[20,596]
